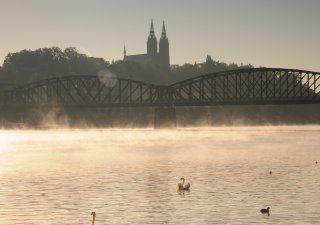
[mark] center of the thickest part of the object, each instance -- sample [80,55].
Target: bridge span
[254,86]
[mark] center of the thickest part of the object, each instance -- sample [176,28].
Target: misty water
[59,177]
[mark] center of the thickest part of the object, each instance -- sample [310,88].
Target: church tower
[152,44]
[164,48]
[153,57]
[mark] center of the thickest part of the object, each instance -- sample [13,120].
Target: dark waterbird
[270,172]
[265,211]
[93,217]
[316,162]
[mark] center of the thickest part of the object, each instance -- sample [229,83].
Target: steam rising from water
[129,176]
[107,77]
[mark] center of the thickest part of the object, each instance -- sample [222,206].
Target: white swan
[93,217]
[183,187]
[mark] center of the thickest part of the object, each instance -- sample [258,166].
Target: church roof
[136,58]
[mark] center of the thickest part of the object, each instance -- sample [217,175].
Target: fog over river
[130,176]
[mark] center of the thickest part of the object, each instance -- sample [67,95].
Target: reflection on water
[130,176]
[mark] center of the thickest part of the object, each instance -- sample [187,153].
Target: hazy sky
[271,33]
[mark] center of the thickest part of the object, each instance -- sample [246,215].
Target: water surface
[58,177]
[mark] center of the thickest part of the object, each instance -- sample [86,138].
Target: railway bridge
[254,86]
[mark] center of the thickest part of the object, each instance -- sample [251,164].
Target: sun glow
[51,171]
[5,139]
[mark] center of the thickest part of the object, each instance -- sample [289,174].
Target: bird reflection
[93,217]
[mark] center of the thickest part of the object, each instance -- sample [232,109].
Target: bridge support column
[165,117]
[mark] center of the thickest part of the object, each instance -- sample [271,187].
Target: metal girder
[83,91]
[243,86]
[250,86]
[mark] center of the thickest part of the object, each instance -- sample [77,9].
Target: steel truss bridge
[234,87]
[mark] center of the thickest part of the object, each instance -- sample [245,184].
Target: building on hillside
[161,58]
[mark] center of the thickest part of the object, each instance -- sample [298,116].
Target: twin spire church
[161,58]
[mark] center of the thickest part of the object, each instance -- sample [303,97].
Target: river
[130,176]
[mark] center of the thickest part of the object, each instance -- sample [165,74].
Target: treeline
[28,66]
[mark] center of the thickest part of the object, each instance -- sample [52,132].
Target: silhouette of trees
[187,70]
[147,72]
[128,70]
[211,66]
[27,66]
[151,72]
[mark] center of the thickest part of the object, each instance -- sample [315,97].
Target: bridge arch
[85,90]
[242,86]
[249,86]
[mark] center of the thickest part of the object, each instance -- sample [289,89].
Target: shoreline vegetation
[29,66]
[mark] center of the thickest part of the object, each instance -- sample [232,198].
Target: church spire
[164,34]
[151,29]
[164,48]
[152,48]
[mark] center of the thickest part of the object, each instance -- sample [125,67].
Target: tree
[28,66]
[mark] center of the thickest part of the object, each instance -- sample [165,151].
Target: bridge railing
[244,86]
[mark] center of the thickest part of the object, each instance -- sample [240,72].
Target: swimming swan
[183,187]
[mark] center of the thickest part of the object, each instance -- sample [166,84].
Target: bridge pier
[165,117]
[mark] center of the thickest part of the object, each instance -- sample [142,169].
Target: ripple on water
[131,176]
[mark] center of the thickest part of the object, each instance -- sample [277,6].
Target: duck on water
[265,211]
[182,186]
